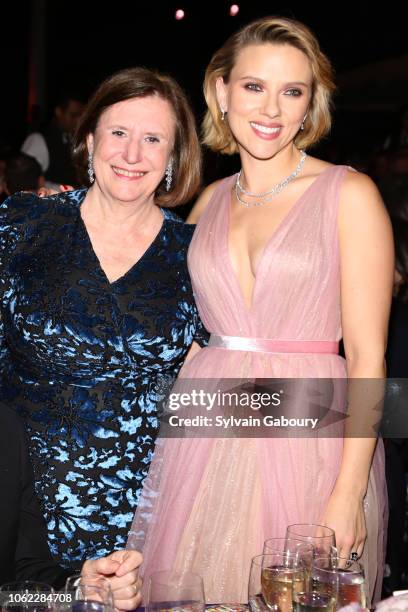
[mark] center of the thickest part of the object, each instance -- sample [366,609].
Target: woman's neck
[102,211]
[260,175]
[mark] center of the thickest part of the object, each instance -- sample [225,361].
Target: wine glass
[321,537]
[89,593]
[302,550]
[169,590]
[26,595]
[272,581]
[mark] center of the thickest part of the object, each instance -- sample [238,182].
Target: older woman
[288,256]
[97,307]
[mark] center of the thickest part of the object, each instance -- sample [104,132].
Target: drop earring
[169,174]
[302,127]
[90,167]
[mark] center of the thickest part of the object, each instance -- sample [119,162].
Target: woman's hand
[345,515]
[121,567]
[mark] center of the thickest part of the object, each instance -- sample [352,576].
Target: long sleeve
[3,346]
[33,560]
[4,233]
[15,212]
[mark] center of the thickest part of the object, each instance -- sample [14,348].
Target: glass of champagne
[273,580]
[181,591]
[88,593]
[27,596]
[321,537]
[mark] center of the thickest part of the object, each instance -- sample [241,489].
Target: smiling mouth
[127,173]
[264,129]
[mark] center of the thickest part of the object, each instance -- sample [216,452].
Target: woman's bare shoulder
[316,166]
[201,204]
[358,189]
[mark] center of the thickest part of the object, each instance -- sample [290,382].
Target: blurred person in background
[23,173]
[398,138]
[52,147]
[394,187]
[5,152]
[396,449]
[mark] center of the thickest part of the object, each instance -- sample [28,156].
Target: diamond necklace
[273,192]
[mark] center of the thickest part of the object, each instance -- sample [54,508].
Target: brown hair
[278,31]
[138,83]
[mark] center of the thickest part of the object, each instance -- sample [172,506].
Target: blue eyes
[293,91]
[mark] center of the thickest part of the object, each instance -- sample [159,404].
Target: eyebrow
[263,81]
[118,127]
[156,134]
[122,127]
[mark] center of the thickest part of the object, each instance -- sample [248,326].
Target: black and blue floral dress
[83,360]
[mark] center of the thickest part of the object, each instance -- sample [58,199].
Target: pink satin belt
[266,345]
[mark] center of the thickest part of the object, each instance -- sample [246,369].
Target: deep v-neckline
[136,264]
[291,212]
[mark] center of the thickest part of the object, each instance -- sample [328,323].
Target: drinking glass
[312,601]
[324,579]
[26,595]
[322,538]
[88,593]
[169,590]
[272,581]
[350,580]
[304,551]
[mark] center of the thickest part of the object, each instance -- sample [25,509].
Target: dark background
[84,41]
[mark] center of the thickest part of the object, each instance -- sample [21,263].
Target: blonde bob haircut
[141,82]
[277,31]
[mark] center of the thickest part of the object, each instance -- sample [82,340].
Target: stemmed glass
[27,595]
[273,580]
[89,593]
[169,590]
[321,537]
[304,551]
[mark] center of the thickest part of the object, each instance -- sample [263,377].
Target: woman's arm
[366,267]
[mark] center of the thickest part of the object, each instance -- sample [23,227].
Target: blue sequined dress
[83,361]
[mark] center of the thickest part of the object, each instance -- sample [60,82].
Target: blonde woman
[288,257]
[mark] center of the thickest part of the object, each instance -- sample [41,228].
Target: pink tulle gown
[209,504]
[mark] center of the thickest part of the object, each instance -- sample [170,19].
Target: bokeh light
[179,14]
[234,10]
